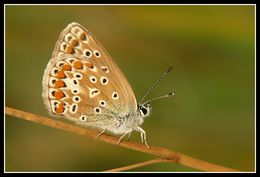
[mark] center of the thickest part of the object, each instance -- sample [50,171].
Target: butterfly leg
[100,133]
[143,136]
[121,138]
[127,132]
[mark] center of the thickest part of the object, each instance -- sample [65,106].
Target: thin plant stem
[175,157]
[137,165]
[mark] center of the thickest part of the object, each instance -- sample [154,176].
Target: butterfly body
[83,83]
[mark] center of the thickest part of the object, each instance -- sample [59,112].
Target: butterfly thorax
[131,121]
[126,123]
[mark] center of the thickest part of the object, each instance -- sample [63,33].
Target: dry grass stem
[163,153]
[129,167]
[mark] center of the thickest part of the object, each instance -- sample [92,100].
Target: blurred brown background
[211,116]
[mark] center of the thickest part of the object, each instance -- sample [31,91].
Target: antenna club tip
[171,94]
[169,69]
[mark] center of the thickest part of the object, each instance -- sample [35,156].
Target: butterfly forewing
[83,82]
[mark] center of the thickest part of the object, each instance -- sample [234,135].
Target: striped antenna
[156,82]
[159,97]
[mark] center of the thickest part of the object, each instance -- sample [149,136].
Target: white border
[126,5]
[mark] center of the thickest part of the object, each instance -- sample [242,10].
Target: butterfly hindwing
[82,82]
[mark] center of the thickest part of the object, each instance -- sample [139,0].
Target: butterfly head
[145,109]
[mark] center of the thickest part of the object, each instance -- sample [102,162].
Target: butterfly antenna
[159,97]
[156,82]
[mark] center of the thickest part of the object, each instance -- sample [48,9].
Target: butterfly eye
[83,118]
[96,53]
[87,53]
[104,80]
[144,110]
[115,95]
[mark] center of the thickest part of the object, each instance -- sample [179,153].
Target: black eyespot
[97,53]
[73,108]
[95,91]
[83,118]
[75,82]
[144,110]
[75,91]
[104,80]
[104,68]
[77,76]
[115,95]
[97,110]
[55,71]
[87,53]
[61,64]
[64,46]
[71,60]
[102,103]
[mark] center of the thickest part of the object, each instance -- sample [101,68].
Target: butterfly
[82,83]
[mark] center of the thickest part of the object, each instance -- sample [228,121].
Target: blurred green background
[211,116]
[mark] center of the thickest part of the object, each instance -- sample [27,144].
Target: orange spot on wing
[59,83]
[66,67]
[70,50]
[82,36]
[77,65]
[75,42]
[61,74]
[59,94]
[60,109]
[90,65]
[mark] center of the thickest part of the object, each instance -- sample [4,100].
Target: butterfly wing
[82,82]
